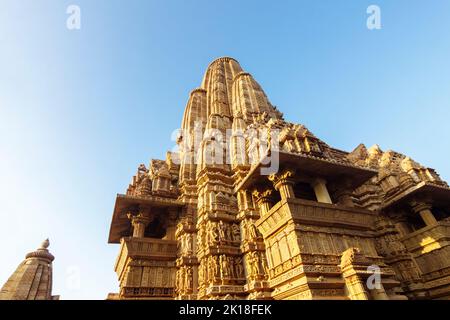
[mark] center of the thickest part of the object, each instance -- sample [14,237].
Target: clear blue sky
[79,110]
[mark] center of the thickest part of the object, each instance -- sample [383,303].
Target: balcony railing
[156,249]
[428,239]
[315,213]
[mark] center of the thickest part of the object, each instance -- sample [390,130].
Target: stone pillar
[424,209]
[171,224]
[342,191]
[283,184]
[263,200]
[139,222]
[320,188]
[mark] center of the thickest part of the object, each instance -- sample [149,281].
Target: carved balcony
[430,246]
[307,212]
[146,268]
[305,241]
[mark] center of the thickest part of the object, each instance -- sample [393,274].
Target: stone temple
[32,279]
[251,206]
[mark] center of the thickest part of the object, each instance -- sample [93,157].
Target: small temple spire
[32,279]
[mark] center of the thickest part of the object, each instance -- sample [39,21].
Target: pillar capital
[263,199]
[285,177]
[139,221]
[342,190]
[423,208]
[283,183]
[138,218]
[420,205]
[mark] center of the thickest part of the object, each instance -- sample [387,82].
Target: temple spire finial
[45,244]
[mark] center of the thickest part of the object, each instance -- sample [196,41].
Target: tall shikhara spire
[32,279]
[254,207]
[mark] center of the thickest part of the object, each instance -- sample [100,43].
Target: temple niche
[252,206]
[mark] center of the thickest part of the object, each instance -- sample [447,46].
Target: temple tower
[252,206]
[32,279]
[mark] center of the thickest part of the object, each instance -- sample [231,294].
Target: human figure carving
[236,232]
[216,268]
[213,236]
[181,279]
[224,266]
[201,273]
[229,232]
[248,263]
[239,270]
[189,243]
[221,228]
[253,231]
[200,237]
[177,280]
[211,268]
[265,267]
[244,230]
[183,243]
[256,263]
[188,280]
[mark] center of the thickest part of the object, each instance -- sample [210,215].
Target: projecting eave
[329,169]
[439,194]
[120,223]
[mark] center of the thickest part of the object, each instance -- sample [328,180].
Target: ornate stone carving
[225,234]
